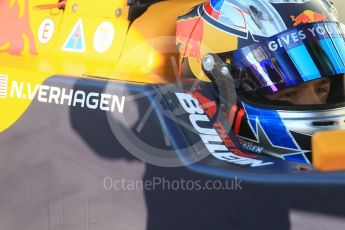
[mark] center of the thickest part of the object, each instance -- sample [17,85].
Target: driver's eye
[289,94]
[322,90]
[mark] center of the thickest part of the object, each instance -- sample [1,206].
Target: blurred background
[340,4]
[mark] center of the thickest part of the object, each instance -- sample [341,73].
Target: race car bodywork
[108,72]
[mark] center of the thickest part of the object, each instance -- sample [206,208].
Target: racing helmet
[285,62]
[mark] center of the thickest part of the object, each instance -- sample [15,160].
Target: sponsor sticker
[46,31]
[103,37]
[213,141]
[75,41]
[297,37]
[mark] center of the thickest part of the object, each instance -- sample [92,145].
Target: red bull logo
[210,107]
[189,43]
[308,16]
[15,34]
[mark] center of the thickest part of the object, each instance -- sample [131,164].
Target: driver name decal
[209,136]
[62,96]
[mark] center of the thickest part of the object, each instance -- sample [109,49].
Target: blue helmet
[287,70]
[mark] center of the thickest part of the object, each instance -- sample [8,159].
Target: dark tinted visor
[305,53]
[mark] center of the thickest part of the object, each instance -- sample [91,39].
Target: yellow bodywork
[141,51]
[32,50]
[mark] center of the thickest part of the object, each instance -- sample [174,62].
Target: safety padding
[150,46]
[329,150]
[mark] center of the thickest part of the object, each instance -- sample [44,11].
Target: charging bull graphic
[15,34]
[189,44]
[308,16]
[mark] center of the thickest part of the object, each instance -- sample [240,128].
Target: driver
[286,60]
[310,93]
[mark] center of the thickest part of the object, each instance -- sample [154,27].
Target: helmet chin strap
[220,74]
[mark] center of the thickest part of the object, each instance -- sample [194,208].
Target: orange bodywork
[329,150]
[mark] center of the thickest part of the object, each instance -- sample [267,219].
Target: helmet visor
[306,53]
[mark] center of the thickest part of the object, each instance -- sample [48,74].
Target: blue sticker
[75,41]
